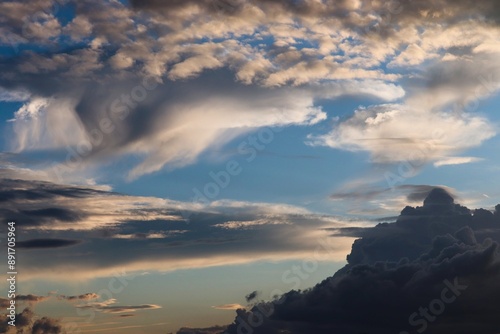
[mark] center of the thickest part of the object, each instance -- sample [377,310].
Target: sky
[180,166]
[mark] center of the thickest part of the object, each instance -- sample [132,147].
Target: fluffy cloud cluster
[435,268]
[193,51]
[26,322]
[393,133]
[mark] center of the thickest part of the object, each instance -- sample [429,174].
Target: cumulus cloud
[27,322]
[383,201]
[397,274]
[394,133]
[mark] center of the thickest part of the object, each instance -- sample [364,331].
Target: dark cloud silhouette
[26,322]
[46,325]
[251,296]
[128,308]
[417,192]
[435,268]
[47,243]
[29,299]
[85,296]
[209,330]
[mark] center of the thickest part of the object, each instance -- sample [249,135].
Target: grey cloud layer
[145,233]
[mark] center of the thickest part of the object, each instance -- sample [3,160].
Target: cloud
[108,307]
[46,325]
[456,161]
[380,201]
[209,330]
[13,96]
[27,322]
[251,296]
[86,296]
[30,299]
[47,243]
[151,232]
[397,274]
[305,51]
[228,307]
[393,133]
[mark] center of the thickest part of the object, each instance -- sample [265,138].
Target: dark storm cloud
[436,269]
[47,243]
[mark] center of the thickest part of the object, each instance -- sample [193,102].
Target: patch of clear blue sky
[285,170]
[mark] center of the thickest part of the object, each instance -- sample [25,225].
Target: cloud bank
[435,268]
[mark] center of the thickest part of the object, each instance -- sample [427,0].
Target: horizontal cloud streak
[134,233]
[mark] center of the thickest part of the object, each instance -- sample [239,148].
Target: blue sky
[289,119]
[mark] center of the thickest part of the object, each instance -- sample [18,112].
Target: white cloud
[393,133]
[456,161]
[229,307]
[43,123]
